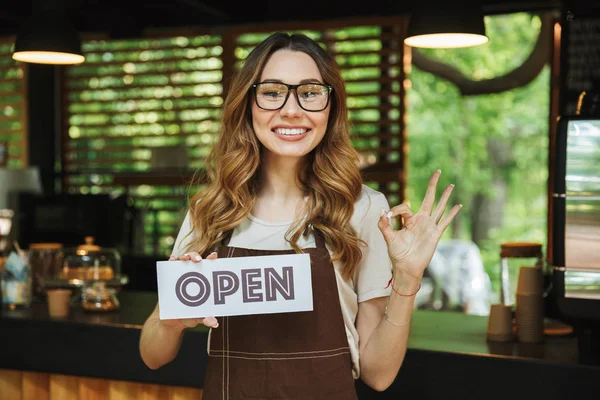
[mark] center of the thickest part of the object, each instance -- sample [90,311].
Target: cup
[512,256]
[500,323]
[530,318]
[59,301]
[531,281]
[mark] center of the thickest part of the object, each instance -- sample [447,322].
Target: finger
[402,210]
[211,322]
[194,256]
[441,206]
[385,227]
[212,256]
[172,258]
[448,218]
[191,322]
[429,198]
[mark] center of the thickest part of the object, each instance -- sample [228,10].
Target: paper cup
[500,323]
[530,281]
[59,302]
[529,316]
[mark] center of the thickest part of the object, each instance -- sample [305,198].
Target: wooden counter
[95,356]
[15,385]
[92,356]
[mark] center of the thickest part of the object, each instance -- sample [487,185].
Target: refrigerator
[576,217]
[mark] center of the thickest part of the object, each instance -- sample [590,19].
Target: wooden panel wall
[14,127]
[24,385]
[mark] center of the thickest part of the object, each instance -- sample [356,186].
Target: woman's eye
[271,94]
[310,94]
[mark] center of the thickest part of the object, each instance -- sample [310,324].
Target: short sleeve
[375,267]
[184,237]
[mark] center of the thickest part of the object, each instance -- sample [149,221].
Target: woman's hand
[411,247]
[184,323]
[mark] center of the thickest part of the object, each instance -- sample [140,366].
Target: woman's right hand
[185,323]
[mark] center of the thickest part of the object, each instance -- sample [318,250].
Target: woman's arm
[382,343]
[160,339]
[384,336]
[159,342]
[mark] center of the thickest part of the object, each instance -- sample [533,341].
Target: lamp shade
[462,25]
[18,180]
[48,38]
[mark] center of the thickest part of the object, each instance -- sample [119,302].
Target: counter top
[99,345]
[444,347]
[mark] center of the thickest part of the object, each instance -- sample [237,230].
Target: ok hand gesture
[411,247]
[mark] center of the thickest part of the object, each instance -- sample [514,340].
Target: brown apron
[298,355]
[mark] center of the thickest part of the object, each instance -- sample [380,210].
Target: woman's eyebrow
[313,80]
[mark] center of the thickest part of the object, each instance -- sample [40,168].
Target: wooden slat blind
[142,108]
[13,106]
[140,115]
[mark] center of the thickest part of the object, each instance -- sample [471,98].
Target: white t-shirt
[373,273]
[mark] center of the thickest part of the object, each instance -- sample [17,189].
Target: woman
[284,178]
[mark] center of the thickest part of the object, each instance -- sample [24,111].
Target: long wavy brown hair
[329,177]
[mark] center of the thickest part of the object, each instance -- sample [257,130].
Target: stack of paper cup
[530,305]
[500,323]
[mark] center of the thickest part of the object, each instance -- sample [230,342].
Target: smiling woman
[285,179]
[279,119]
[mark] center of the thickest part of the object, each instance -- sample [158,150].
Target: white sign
[234,286]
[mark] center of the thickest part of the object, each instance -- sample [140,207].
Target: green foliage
[451,132]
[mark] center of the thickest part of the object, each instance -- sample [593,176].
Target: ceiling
[131,16]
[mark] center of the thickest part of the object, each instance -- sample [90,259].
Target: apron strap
[319,239]
[226,238]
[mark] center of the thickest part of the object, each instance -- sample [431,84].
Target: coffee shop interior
[100,148]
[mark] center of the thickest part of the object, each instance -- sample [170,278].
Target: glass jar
[513,256]
[98,297]
[46,262]
[90,262]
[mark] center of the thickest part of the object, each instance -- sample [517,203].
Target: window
[141,115]
[494,147]
[13,107]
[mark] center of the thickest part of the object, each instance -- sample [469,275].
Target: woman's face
[290,131]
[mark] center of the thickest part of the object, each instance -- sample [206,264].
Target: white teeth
[282,131]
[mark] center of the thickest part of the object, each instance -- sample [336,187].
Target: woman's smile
[291,133]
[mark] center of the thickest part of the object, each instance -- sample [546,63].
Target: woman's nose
[291,108]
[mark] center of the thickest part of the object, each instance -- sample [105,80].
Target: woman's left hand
[411,248]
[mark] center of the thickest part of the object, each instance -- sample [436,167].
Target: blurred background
[125,131]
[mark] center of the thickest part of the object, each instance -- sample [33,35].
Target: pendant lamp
[456,24]
[48,37]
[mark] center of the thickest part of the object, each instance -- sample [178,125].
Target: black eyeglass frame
[290,89]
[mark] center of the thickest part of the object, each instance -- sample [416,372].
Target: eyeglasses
[310,96]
